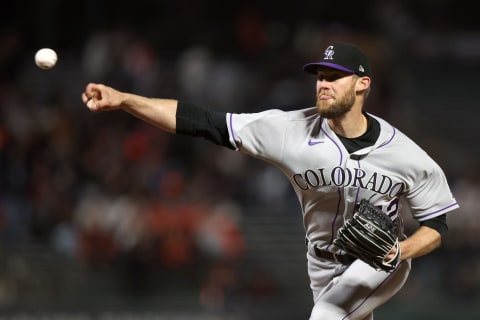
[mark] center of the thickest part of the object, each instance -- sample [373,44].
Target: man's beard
[339,108]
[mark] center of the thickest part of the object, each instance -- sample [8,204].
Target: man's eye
[330,77]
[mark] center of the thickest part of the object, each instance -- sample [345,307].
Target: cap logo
[361,69]
[329,53]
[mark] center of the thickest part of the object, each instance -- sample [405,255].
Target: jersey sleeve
[430,195]
[258,134]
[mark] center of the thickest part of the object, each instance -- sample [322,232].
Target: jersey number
[392,209]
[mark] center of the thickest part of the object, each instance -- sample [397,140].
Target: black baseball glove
[370,236]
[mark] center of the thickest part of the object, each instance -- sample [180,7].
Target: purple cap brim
[313,67]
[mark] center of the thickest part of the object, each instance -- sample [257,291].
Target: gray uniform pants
[351,292]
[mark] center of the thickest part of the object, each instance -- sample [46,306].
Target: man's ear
[363,83]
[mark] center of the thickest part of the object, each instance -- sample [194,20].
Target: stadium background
[104,217]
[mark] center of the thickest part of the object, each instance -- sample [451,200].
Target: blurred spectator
[219,236]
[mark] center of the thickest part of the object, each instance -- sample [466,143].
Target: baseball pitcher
[348,168]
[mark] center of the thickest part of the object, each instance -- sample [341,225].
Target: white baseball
[46,58]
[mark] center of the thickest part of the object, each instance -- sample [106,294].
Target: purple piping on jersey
[390,140]
[338,189]
[435,212]
[230,129]
[358,189]
[373,291]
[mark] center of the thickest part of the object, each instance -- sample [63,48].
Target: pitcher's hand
[99,97]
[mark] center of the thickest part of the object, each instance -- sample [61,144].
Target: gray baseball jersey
[329,181]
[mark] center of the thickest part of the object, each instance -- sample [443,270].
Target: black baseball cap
[342,56]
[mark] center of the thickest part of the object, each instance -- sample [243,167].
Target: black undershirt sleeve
[197,121]
[438,223]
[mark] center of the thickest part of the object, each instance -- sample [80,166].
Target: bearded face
[339,105]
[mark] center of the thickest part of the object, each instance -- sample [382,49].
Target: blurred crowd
[100,187]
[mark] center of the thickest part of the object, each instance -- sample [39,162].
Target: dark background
[105,217]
